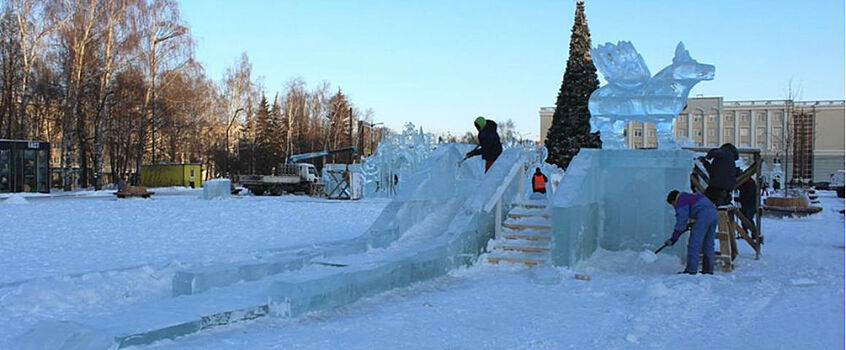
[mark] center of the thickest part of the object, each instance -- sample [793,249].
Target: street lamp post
[226,159]
[371,125]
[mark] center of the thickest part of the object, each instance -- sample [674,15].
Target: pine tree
[570,130]
[266,156]
[279,127]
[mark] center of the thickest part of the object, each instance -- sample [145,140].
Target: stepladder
[726,234]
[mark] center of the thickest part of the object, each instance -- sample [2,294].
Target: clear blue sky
[441,63]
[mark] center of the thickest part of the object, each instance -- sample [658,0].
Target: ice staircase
[526,235]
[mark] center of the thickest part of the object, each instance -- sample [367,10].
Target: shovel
[667,245]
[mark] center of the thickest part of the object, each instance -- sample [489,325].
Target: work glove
[669,242]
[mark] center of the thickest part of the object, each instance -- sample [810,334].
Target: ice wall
[616,200]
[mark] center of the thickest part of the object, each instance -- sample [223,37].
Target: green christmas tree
[570,130]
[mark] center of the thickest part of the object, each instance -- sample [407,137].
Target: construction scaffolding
[803,144]
[734,225]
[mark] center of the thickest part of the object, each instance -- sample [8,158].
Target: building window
[729,117]
[699,133]
[744,132]
[712,119]
[728,132]
[777,133]
[760,133]
[638,133]
[762,117]
[697,118]
[779,116]
[712,132]
[744,117]
[651,133]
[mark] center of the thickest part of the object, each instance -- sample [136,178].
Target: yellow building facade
[167,175]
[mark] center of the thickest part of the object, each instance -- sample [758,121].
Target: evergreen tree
[266,155]
[278,125]
[570,130]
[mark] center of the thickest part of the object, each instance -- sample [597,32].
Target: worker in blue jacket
[699,208]
[489,145]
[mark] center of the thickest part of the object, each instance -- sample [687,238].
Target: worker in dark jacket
[539,182]
[719,163]
[698,207]
[748,199]
[489,146]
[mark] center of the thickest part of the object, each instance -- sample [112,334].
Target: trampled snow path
[66,258]
[792,298]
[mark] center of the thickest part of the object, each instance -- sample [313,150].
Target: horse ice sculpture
[631,95]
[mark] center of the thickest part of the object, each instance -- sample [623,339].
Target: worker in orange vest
[539,182]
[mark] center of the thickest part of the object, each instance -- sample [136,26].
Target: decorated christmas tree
[570,130]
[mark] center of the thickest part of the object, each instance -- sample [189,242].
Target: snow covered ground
[62,256]
[792,298]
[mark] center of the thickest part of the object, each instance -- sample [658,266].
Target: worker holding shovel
[489,145]
[701,209]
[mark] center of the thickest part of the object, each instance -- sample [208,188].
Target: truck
[291,177]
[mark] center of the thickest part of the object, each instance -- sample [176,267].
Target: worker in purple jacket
[700,208]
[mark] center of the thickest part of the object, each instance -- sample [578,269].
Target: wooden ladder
[726,234]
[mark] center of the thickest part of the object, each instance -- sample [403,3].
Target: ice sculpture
[217,188]
[395,155]
[632,95]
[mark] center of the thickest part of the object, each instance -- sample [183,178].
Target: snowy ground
[792,298]
[62,256]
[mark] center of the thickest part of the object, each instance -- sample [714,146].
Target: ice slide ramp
[442,219]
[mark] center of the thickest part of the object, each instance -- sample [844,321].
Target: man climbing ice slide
[489,145]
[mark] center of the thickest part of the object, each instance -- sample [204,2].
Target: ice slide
[441,219]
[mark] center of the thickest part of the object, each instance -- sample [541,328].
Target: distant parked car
[822,186]
[837,183]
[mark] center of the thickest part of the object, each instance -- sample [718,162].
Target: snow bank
[15,198]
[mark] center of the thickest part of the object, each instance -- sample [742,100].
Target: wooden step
[528,215]
[522,227]
[531,204]
[521,248]
[530,259]
[529,235]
